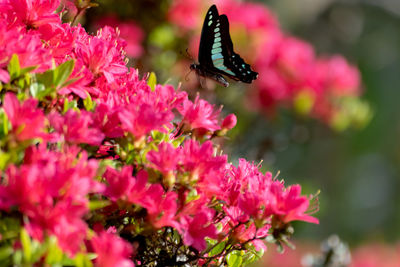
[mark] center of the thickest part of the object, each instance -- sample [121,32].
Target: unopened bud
[229,122]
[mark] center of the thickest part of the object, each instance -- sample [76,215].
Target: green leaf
[193,195]
[66,103]
[249,258]
[70,81]
[303,102]
[14,68]
[46,78]
[17,258]
[28,69]
[98,204]
[5,252]
[252,255]
[234,259]
[88,102]
[5,122]
[62,72]
[69,105]
[39,91]
[217,249]
[4,157]
[162,36]
[178,141]
[82,260]
[54,252]
[152,81]
[26,245]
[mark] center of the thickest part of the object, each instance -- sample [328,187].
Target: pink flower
[229,122]
[76,127]
[27,46]
[186,13]
[83,84]
[51,189]
[253,16]
[108,121]
[129,31]
[102,58]
[288,205]
[165,159]
[246,178]
[59,40]
[111,250]
[32,13]
[294,60]
[27,121]
[195,229]
[251,203]
[340,77]
[120,183]
[161,207]
[244,233]
[142,117]
[199,114]
[141,109]
[140,188]
[199,160]
[168,97]
[4,76]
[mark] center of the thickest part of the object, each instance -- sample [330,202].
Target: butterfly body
[204,72]
[216,55]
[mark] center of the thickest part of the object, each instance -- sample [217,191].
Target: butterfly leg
[203,82]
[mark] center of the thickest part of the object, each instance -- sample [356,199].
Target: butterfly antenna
[188,55]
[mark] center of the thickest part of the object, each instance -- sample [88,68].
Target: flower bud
[229,122]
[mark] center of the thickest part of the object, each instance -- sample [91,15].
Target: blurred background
[347,147]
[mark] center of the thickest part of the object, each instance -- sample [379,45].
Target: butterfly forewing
[207,36]
[236,68]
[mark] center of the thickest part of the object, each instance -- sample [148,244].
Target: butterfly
[216,55]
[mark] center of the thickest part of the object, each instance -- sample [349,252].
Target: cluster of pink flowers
[290,74]
[105,136]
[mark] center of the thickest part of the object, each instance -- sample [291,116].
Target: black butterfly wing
[207,37]
[233,65]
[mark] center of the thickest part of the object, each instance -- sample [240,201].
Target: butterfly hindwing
[235,66]
[216,53]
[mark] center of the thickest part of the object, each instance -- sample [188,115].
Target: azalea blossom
[27,121]
[32,13]
[111,250]
[166,159]
[102,58]
[27,46]
[197,228]
[51,188]
[288,205]
[76,127]
[199,115]
[109,149]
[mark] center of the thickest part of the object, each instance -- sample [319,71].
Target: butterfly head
[194,66]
